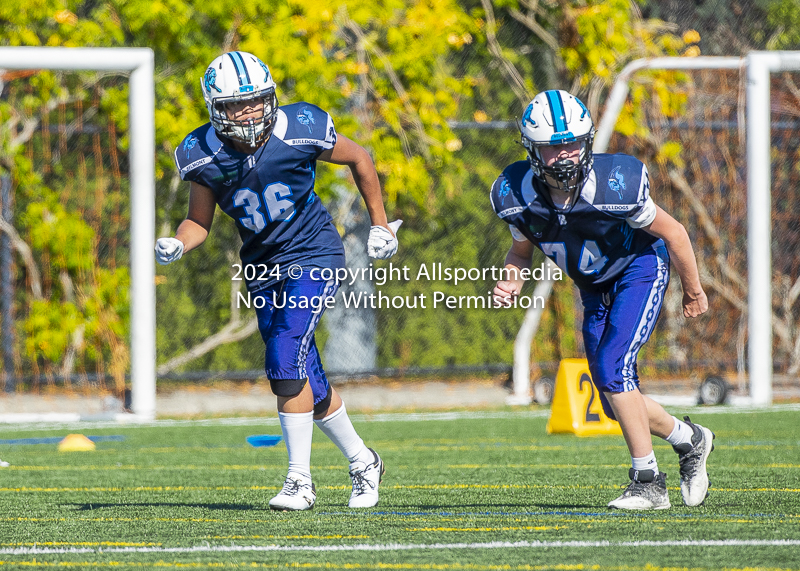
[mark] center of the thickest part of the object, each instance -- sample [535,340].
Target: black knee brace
[322,406]
[287,387]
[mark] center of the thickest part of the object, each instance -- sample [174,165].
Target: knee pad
[287,387]
[322,406]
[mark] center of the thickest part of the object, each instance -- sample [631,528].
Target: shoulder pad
[507,195]
[196,151]
[305,125]
[618,182]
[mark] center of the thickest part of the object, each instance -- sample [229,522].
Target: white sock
[339,429]
[646,463]
[681,433]
[298,429]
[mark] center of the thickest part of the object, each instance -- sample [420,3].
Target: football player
[593,216]
[257,160]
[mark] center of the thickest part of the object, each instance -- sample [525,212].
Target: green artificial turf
[455,492]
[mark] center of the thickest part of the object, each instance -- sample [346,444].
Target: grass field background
[465,490]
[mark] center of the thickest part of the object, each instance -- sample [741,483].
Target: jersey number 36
[276,203]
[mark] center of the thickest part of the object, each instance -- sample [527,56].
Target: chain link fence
[64,253]
[698,170]
[64,249]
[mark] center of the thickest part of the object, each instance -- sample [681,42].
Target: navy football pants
[617,324]
[288,332]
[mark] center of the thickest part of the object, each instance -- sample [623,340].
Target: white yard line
[406,546]
[8,426]
[273,421]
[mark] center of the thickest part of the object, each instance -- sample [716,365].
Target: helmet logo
[210,80]
[189,144]
[266,70]
[585,110]
[616,181]
[505,188]
[526,117]
[305,117]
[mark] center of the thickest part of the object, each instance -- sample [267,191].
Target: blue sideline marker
[259,440]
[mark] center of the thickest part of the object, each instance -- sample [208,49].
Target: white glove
[168,250]
[381,243]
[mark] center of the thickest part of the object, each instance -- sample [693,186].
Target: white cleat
[366,478]
[4,464]
[297,494]
[692,460]
[647,491]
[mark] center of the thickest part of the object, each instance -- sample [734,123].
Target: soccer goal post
[758,66]
[139,62]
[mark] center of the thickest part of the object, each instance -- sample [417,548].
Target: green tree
[378,68]
[394,74]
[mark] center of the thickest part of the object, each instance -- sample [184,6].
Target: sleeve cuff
[643,216]
[516,234]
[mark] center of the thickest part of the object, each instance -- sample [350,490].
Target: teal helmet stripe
[557,110]
[241,69]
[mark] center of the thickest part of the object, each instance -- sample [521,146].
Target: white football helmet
[235,77]
[555,118]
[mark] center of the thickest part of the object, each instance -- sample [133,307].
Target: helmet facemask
[253,131]
[563,175]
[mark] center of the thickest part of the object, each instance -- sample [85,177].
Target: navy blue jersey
[595,240]
[270,194]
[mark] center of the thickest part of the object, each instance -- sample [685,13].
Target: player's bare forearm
[695,302]
[347,152]
[520,254]
[191,234]
[518,258]
[366,179]
[682,255]
[194,230]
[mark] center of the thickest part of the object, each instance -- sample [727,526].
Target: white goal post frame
[141,100]
[758,66]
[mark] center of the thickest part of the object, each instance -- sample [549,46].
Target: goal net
[71,251]
[697,156]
